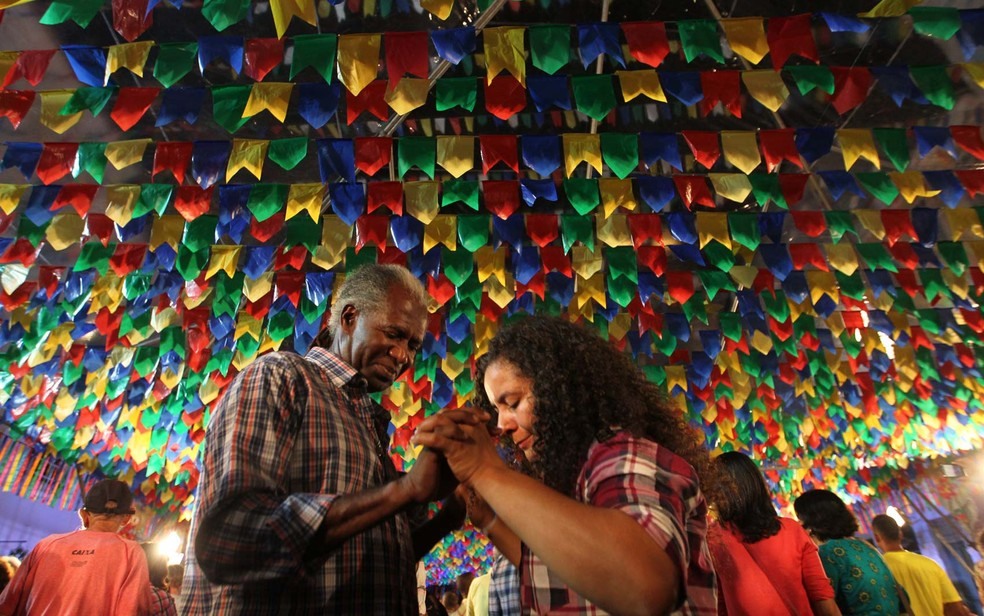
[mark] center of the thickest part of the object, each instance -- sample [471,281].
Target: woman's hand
[462,436]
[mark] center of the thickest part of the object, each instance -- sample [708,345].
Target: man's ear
[350,316]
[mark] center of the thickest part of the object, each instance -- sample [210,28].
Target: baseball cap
[109,496]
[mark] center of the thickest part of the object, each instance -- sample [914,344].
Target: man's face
[383,343]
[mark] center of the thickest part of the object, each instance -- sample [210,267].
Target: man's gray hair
[368,288]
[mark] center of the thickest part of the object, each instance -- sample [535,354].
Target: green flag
[302,231]
[810,76]
[79,11]
[316,51]
[94,255]
[593,95]
[839,224]
[582,194]
[287,153]
[153,198]
[223,13]
[700,36]
[765,188]
[745,230]
[620,152]
[935,83]
[200,233]
[473,232]
[228,104]
[265,200]
[894,145]
[87,98]
[190,263]
[879,185]
[550,47]
[417,152]
[453,92]
[937,21]
[460,191]
[174,61]
[92,160]
[574,228]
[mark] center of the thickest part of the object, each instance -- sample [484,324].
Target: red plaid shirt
[660,490]
[290,435]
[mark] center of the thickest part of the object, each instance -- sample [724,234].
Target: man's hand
[430,479]
[464,439]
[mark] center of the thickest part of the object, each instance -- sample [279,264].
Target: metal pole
[948,518]
[939,539]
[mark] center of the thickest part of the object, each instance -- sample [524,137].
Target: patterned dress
[862,582]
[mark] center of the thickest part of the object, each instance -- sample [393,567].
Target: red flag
[372,230]
[131,104]
[260,307]
[57,160]
[172,156]
[645,228]
[693,189]
[542,229]
[369,99]
[972,180]
[385,194]
[897,223]
[647,41]
[499,148]
[290,284]
[79,196]
[555,260]
[903,253]
[791,35]
[131,18]
[705,146]
[680,286]
[812,224]
[193,201]
[969,138]
[99,226]
[127,257]
[372,154]
[851,86]
[265,230]
[406,52]
[440,288]
[777,145]
[792,186]
[390,255]
[723,87]
[14,105]
[808,254]
[505,96]
[31,64]
[290,258]
[501,197]
[19,297]
[653,258]
[261,56]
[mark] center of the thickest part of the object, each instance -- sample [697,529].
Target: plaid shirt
[659,489]
[289,436]
[161,603]
[504,588]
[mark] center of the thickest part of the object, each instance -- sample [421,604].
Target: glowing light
[170,546]
[896,515]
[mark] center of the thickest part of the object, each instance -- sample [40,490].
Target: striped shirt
[657,488]
[289,436]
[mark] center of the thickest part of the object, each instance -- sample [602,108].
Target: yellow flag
[615,194]
[822,283]
[911,185]
[741,149]
[442,230]
[743,275]
[456,154]
[957,285]
[505,51]
[257,289]
[65,230]
[162,318]
[842,257]
[52,101]
[247,325]
[7,61]
[960,221]
[439,8]
[409,94]
[976,72]
[641,83]
[592,288]
[284,10]
[872,221]
[131,56]
[121,200]
[305,198]
[746,37]
[733,186]
[890,8]
[613,230]
[335,238]
[713,226]
[6,4]
[491,263]
[857,143]
[767,87]
[421,200]
[586,262]
[501,293]
[451,367]
[270,96]
[225,258]
[10,195]
[676,377]
[620,326]
[581,147]
[122,154]
[248,154]
[358,60]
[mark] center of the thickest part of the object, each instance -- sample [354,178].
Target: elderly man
[930,591]
[300,509]
[89,571]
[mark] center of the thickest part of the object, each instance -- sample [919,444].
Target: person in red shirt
[88,572]
[766,565]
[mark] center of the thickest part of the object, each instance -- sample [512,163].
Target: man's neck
[894,547]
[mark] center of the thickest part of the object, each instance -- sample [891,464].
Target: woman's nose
[506,421]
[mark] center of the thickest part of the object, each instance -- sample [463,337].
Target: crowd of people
[597,496]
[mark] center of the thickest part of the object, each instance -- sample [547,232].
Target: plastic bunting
[808,293]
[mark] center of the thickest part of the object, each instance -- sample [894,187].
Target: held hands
[430,479]
[462,436]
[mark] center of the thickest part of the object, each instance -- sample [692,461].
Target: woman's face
[512,395]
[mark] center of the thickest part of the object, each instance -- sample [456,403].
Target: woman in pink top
[766,565]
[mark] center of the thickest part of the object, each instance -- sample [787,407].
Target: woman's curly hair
[748,506]
[825,515]
[584,390]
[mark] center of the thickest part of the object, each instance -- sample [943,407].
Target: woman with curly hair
[766,565]
[863,585]
[613,517]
